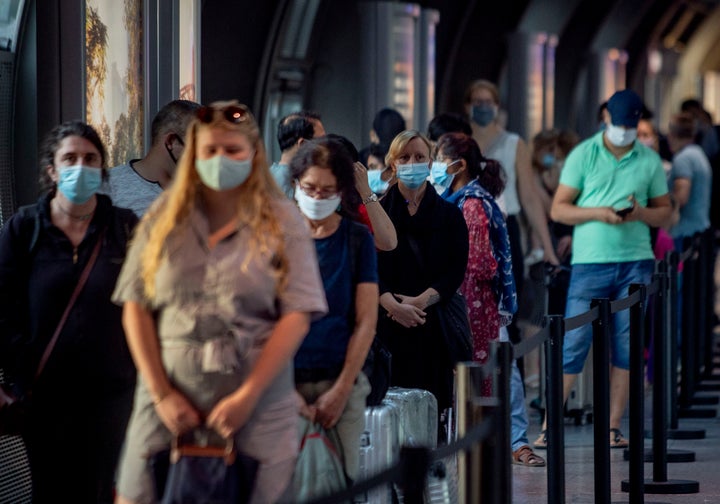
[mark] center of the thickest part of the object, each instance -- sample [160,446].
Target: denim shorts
[612,280]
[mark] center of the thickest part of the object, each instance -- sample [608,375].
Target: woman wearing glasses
[328,365]
[426,268]
[219,288]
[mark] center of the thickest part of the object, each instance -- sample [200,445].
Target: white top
[504,149]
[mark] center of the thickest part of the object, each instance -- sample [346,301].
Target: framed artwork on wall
[189,50]
[114,76]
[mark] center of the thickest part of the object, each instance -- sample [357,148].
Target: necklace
[83,217]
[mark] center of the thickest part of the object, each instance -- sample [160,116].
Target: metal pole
[637,396]
[601,399]
[659,441]
[554,410]
[687,383]
[468,380]
[672,260]
[503,458]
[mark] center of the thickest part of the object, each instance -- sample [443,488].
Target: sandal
[526,457]
[618,440]
[541,442]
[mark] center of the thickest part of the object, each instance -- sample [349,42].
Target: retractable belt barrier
[411,469]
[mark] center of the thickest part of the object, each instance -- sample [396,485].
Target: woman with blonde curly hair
[219,288]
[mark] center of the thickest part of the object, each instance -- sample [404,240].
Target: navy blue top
[326,344]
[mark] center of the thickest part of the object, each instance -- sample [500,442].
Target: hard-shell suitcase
[379,449]
[417,414]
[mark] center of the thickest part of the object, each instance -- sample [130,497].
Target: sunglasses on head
[232,113]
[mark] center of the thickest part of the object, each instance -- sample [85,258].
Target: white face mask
[222,173]
[620,136]
[316,209]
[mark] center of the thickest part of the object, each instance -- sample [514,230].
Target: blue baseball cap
[625,108]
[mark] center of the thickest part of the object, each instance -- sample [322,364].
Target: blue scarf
[503,281]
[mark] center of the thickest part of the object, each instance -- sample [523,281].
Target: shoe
[526,457]
[541,442]
[618,440]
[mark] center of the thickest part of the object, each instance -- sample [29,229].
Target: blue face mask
[439,175]
[377,184]
[483,114]
[78,183]
[222,173]
[413,175]
[548,160]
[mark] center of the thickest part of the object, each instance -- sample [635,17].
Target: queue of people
[249,294]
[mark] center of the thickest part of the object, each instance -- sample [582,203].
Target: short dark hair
[172,118]
[329,153]
[447,123]
[371,150]
[683,126]
[488,172]
[349,146]
[387,124]
[51,143]
[292,128]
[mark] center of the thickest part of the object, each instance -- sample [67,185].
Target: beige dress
[214,315]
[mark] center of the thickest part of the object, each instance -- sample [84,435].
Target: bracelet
[160,398]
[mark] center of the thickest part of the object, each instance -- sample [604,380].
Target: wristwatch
[372,197]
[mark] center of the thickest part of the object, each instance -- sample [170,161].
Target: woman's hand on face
[406,314]
[177,413]
[230,414]
[330,406]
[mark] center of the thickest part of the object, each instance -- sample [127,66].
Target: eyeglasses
[314,191]
[234,114]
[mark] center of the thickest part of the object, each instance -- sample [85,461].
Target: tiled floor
[530,484]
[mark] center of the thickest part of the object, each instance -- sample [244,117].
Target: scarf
[503,283]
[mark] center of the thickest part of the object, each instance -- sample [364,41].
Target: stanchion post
[703,277]
[709,363]
[687,374]
[659,441]
[468,380]
[554,410]
[504,353]
[601,399]
[635,485]
[671,258]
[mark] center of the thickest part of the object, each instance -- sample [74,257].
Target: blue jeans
[612,280]
[518,411]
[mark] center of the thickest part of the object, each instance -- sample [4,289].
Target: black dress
[419,356]
[82,401]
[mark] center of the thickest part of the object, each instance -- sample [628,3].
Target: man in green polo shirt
[612,190]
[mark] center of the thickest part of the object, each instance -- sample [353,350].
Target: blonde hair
[400,142]
[482,84]
[253,210]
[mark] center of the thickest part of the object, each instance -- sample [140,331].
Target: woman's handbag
[377,368]
[455,324]
[194,470]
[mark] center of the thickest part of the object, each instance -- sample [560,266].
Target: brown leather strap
[78,288]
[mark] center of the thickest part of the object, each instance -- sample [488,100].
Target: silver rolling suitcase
[417,414]
[379,449]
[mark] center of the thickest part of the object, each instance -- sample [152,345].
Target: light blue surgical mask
[439,175]
[548,160]
[79,182]
[377,184]
[620,136]
[222,173]
[413,175]
[483,114]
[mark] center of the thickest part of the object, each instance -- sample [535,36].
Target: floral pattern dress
[478,284]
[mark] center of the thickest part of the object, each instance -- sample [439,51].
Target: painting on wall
[114,87]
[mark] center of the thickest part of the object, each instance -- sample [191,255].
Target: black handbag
[455,324]
[377,368]
[195,471]
[454,320]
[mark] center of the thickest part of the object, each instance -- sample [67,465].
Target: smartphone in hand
[624,211]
